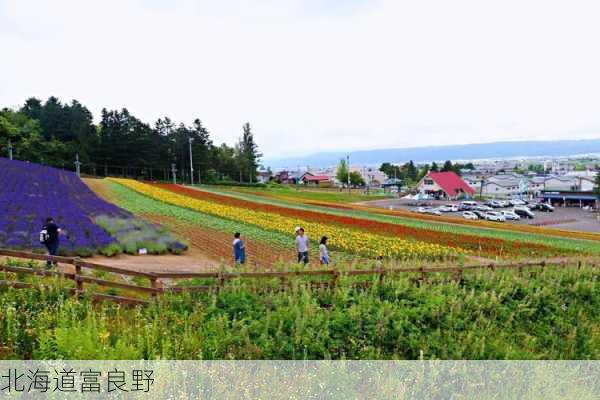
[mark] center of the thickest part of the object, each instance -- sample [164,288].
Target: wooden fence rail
[156,278]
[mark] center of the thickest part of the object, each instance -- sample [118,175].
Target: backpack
[44,236]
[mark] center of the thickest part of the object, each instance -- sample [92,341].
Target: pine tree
[248,154]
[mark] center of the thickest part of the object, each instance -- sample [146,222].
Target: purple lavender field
[31,192]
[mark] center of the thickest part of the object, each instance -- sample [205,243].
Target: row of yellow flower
[348,240]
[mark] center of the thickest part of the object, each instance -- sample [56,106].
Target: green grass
[549,314]
[331,195]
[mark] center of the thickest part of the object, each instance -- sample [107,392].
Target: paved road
[579,219]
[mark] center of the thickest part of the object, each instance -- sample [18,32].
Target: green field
[332,195]
[545,314]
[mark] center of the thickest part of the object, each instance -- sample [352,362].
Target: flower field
[210,234]
[554,241]
[472,243]
[342,238]
[31,193]
[300,198]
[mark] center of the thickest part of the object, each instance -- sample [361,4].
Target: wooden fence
[156,279]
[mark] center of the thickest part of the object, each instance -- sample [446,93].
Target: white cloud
[316,75]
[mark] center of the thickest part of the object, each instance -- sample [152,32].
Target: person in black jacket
[52,241]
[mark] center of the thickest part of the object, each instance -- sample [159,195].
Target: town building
[311,179]
[446,185]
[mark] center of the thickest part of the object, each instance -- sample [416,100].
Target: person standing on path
[239,250]
[302,245]
[49,237]
[323,252]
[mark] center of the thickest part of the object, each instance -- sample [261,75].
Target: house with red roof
[445,185]
[315,180]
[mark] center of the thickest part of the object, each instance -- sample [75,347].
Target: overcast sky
[317,75]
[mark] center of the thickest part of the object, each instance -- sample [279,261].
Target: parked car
[470,215]
[510,216]
[428,210]
[495,216]
[517,202]
[469,203]
[452,207]
[543,207]
[524,212]
[483,208]
[493,204]
[480,214]
[504,203]
[448,208]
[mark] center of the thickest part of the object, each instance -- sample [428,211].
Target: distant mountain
[441,153]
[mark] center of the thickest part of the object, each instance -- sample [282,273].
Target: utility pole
[77,165]
[174,172]
[10,149]
[348,165]
[191,162]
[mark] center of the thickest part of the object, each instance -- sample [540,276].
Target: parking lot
[571,218]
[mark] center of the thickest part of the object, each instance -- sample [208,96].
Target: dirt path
[192,261]
[217,245]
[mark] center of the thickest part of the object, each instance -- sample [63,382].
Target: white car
[469,215]
[511,216]
[483,208]
[517,202]
[428,210]
[448,208]
[469,203]
[495,216]
[434,211]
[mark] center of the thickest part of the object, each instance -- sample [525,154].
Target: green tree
[201,146]
[341,174]
[423,171]
[391,170]
[356,179]
[448,166]
[248,154]
[409,171]
[434,167]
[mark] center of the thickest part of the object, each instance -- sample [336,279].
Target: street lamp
[77,165]
[348,167]
[191,163]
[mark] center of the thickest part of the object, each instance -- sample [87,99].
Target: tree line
[409,173]
[53,133]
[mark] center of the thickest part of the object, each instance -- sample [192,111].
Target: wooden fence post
[459,274]
[423,274]
[334,280]
[381,275]
[220,282]
[154,285]
[78,281]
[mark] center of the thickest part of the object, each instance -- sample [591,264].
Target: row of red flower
[473,243]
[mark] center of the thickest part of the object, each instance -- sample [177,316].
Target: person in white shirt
[323,253]
[302,245]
